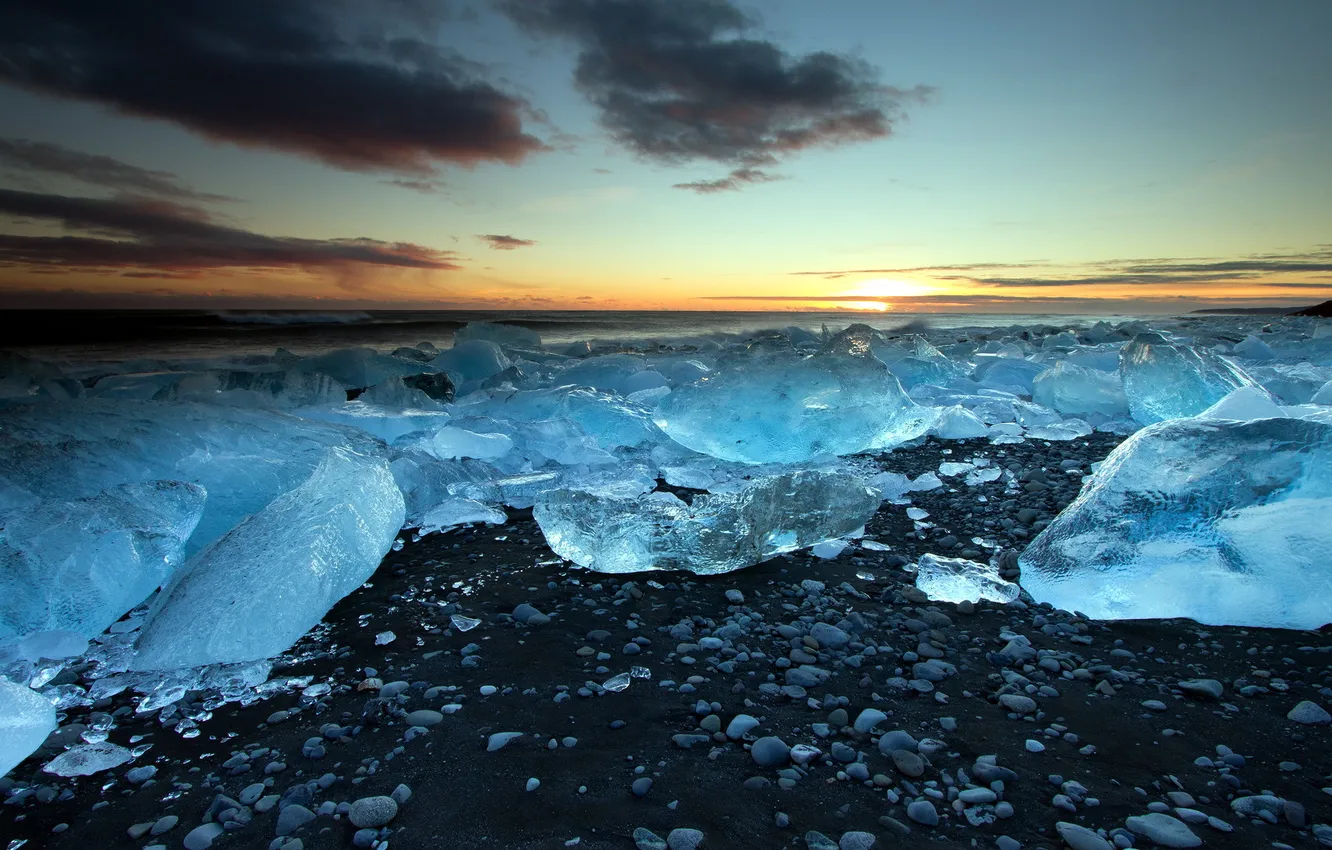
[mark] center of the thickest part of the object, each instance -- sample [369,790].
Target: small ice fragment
[828,549]
[26,718]
[618,682]
[917,513]
[983,476]
[385,638]
[875,546]
[87,759]
[950,468]
[640,672]
[464,624]
[957,580]
[865,575]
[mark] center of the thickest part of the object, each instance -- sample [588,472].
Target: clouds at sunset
[500,242]
[155,238]
[284,75]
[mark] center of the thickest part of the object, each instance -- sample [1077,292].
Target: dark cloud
[1125,279]
[915,269]
[1257,266]
[284,74]
[737,179]
[678,81]
[144,237]
[425,187]
[504,243]
[97,170]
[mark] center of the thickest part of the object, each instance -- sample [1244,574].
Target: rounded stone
[373,812]
[908,763]
[201,837]
[923,812]
[424,717]
[684,839]
[770,752]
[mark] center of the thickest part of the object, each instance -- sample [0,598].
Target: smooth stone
[740,725]
[1164,830]
[424,717]
[372,812]
[646,839]
[201,837]
[923,812]
[684,839]
[1309,713]
[868,719]
[1209,688]
[1018,703]
[909,763]
[1081,838]
[292,818]
[856,841]
[770,752]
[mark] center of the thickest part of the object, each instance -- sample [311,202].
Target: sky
[1129,157]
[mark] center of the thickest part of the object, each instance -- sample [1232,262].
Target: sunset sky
[666,154]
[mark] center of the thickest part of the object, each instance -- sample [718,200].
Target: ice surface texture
[1221,521]
[957,580]
[26,718]
[782,407]
[79,565]
[1165,380]
[242,458]
[718,533]
[258,589]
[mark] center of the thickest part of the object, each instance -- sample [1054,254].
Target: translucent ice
[242,458]
[958,423]
[718,533]
[267,581]
[1079,391]
[512,336]
[87,759]
[1244,404]
[79,565]
[388,423]
[26,718]
[1165,380]
[782,407]
[453,512]
[449,442]
[957,580]
[286,389]
[1224,522]
[473,359]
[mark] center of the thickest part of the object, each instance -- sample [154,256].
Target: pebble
[1080,837]
[1309,713]
[923,812]
[770,752]
[684,839]
[1163,829]
[1018,703]
[373,812]
[424,717]
[201,837]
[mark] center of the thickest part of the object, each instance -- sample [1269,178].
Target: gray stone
[1309,713]
[201,837]
[684,839]
[856,841]
[923,812]
[868,719]
[293,818]
[1205,688]
[424,717]
[1164,830]
[646,839]
[770,752]
[909,763]
[740,725]
[373,812]
[1081,838]
[1018,703]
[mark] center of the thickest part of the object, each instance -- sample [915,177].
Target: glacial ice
[358,367]
[449,442]
[271,578]
[281,390]
[1079,391]
[1244,404]
[782,407]
[1220,521]
[509,336]
[242,458]
[957,580]
[87,759]
[473,360]
[79,565]
[717,533]
[26,718]
[1165,380]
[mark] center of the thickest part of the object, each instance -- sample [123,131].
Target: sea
[119,335]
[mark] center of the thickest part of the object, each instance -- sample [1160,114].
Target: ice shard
[78,565]
[717,533]
[957,580]
[1079,391]
[783,407]
[1166,380]
[242,458]
[26,718]
[261,586]
[1224,522]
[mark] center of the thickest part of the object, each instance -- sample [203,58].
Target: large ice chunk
[1165,380]
[473,359]
[513,336]
[782,407]
[284,389]
[255,591]
[358,367]
[242,458]
[77,566]
[717,533]
[1079,391]
[1224,522]
[957,580]
[26,718]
